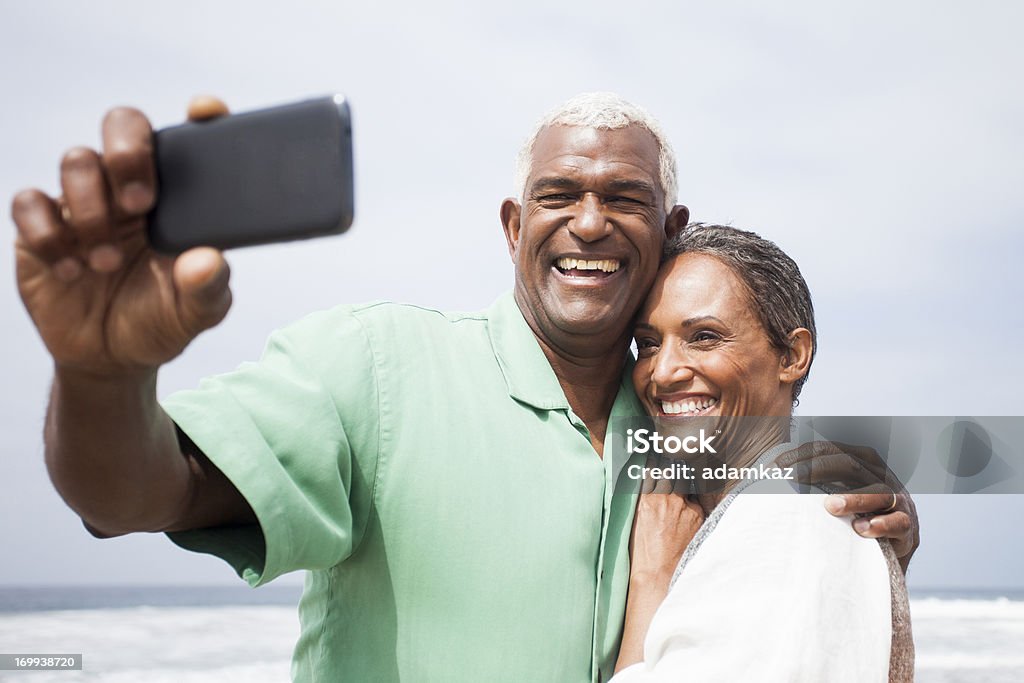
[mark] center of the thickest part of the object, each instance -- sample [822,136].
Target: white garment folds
[780,591]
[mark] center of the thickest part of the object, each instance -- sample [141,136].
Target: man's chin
[591,318]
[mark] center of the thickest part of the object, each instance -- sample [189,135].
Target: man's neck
[588,367]
[590,383]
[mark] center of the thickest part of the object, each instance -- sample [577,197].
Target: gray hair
[778,292]
[605,111]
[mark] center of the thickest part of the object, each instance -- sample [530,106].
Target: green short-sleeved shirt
[429,472]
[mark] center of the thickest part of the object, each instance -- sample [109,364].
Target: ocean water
[153,634]
[221,635]
[968,637]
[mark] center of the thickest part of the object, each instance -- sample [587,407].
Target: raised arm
[666,521]
[111,311]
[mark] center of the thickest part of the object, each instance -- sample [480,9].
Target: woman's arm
[664,525]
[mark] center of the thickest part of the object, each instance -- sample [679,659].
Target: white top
[780,591]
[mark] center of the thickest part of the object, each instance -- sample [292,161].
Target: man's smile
[584,271]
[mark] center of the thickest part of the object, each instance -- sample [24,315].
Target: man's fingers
[205,107]
[874,499]
[895,526]
[806,452]
[839,468]
[86,208]
[42,232]
[128,159]
[201,279]
[815,449]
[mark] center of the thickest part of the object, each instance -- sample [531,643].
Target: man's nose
[589,222]
[672,367]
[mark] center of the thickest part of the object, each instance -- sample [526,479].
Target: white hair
[605,111]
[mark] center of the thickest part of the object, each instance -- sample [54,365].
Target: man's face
[587,240]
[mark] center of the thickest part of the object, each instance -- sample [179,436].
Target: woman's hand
[666,521]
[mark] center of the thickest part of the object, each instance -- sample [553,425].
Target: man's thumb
[201,277]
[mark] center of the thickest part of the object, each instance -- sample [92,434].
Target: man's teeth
[686,406]
[606,265]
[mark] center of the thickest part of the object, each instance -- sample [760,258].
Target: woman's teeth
[685,406]
[606,265]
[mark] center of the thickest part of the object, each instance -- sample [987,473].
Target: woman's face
[702,350]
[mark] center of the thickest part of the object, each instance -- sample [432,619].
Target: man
[440,476]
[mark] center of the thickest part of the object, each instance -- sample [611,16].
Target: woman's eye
[705,337]
[645,346]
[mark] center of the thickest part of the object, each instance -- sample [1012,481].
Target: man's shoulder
[397,311]
[386,321]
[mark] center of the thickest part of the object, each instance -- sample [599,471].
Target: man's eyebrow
[554,183]
[626,185]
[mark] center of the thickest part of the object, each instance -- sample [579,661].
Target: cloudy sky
[880,144]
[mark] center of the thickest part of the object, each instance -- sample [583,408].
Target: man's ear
[676,220]
[510,213]
[797,359]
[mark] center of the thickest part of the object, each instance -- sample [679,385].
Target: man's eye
[559,198]
[624,200]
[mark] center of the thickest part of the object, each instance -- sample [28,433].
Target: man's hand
[102,300]
[870,491]
[111,311]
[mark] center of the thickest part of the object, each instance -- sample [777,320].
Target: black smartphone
[271,175]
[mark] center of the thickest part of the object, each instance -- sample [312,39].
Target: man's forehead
[632,144]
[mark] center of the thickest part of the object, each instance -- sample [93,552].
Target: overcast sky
[880,144]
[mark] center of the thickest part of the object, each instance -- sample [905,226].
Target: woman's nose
[672,368]
[589,222]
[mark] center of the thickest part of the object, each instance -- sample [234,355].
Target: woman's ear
[797,359]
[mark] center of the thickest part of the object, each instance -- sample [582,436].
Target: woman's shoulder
[796,520]
[787,535]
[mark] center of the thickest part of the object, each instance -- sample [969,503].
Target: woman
[770,587]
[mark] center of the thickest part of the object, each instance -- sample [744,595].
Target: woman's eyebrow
[690,322]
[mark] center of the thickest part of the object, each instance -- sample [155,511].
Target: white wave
[1000,608]
[179,644]
[956,640]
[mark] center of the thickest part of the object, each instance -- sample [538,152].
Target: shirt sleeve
[297,434]
[780,591]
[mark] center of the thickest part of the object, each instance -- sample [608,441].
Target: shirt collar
[528,374]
